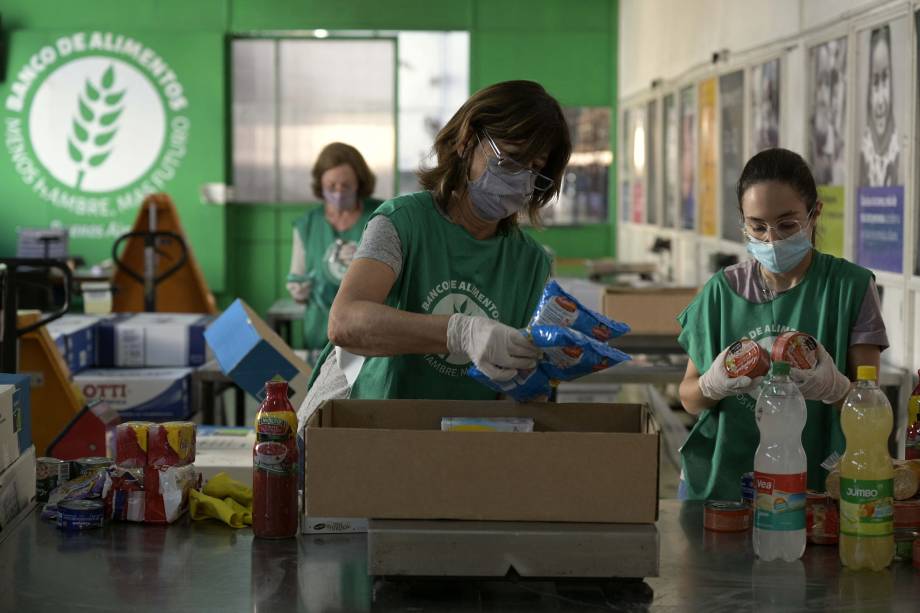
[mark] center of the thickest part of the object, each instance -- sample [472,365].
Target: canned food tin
[745,358]
[748,491]
[800,350]
[726,516]
[80,514]
[86,466]
[49,473]
[822,521]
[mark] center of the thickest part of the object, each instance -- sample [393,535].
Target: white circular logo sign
[95,122]
[112,117]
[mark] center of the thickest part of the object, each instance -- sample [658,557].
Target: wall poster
[881,120]
[765,97]
[709,157]
[731,128]
[671,161]
[827,137]
[687,146]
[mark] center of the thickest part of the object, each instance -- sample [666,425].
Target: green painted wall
[245,248]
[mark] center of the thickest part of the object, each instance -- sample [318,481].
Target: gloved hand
[715,384]
[823,382]
[499,351]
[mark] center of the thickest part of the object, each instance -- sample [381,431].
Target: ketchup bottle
[274,465]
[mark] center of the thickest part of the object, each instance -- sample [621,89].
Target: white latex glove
[715,384]
[499,351]
[823,382]
[299,291]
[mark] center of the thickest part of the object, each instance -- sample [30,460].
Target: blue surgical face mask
[781,256]
[497,194]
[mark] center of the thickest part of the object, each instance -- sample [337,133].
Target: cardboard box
[251,353]
[388,459]
[648,310]
[144,394]
[75,337]
[9,440]
[152,339]
[17,491]
[22,407]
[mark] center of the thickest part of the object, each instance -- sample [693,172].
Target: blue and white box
[75,337]
[148,394]
[251,353]
[22,407]
[153,339]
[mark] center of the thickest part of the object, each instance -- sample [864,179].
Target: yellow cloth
[245,512]
[221,486]
[202,506]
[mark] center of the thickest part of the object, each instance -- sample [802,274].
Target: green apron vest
[721,446]
[322,243]
[445,270]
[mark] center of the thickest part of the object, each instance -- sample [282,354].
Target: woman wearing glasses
[788,285]
[444,278]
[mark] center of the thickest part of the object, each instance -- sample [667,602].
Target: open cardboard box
[648,310]
[389,459]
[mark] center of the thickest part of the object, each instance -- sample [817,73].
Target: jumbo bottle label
[780,501]
[867,507]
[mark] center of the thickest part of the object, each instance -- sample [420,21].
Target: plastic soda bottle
[866,477]
[780,469]
[274,465]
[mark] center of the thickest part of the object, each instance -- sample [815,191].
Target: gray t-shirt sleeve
[869,328]
[380,242]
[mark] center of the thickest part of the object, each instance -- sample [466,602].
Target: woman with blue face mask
[787,285]
[326,238]
[445,278]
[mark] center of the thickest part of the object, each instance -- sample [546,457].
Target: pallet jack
[62,425]
[157,261]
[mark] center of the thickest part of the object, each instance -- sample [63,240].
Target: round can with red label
[797,348]
[822,521]
[726,516]
[745,358]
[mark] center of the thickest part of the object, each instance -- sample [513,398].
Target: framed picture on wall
[827,137]
[708,171]
[651,163]
[731,148]
[625,171]
[584,194]
[687,144]
[882,99]
[670,161]
[636,162]
[765,105]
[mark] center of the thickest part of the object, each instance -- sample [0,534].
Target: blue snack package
[559,308]
[526,385]
[569,354]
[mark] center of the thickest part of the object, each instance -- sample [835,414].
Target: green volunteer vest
[445,270]
[324,269]
[721,446]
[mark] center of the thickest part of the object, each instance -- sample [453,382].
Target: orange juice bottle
[866,477]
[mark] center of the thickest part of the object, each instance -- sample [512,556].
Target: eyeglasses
[541,183]
[762,231]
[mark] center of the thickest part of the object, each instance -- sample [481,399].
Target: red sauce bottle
[274,465]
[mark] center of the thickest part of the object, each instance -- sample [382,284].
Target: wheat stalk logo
[94,125]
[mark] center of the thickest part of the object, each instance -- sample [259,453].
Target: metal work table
[281,316]
[205,566]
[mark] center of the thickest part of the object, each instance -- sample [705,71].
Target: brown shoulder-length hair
[336,154]
[520,112]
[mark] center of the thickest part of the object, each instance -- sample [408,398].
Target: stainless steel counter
[195,566]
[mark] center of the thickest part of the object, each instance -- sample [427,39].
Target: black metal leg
[240,406]
[206,401]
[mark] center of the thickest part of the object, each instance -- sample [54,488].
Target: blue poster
[880,228]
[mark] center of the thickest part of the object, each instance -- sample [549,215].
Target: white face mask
[780,256]
[498,194]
